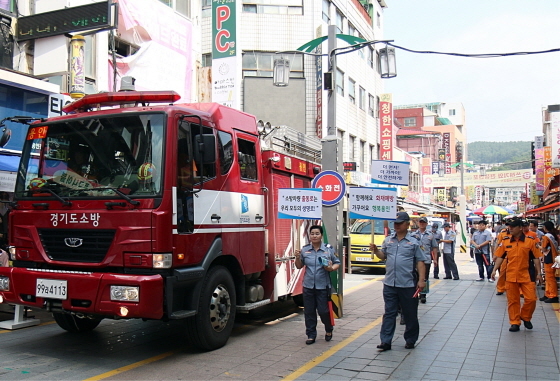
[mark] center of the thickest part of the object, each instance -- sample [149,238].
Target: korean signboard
[539,169]
[299,204]
[224,53]
[447,148]
[555,138]
[492,179]
[373,203]
[389,172]
[386,130]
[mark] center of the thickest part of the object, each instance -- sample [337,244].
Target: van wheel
[211,327]
[73,324]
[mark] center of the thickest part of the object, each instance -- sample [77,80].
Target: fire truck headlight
[4,283]
[125,293]
[162,261]
[12,251]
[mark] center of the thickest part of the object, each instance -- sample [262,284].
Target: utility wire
[483,55]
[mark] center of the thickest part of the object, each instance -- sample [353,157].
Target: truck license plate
[363,259]
[52,288]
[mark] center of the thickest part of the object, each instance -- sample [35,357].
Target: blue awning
[9,163]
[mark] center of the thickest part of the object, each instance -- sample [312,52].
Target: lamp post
[333,215]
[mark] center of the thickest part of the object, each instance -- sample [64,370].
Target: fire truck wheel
[74,324]
[211,327]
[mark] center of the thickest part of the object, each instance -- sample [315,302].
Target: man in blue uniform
[403,256]
[438,237]
[428,245]
[449,253]
[480,242]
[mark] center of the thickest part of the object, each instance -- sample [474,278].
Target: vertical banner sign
[390,172]
[539,142]
[441,196]
[224,53]
[478,195]
[386,130]
[319,88]
[534,196]
[549,170]
[447,148]
[539,169]
[373,203]
[555,138]
[435,167]
[426,170]
[299,204]
[77,67]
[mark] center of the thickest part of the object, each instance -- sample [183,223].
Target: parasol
[491,209]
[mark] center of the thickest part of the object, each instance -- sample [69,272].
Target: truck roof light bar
[120,98]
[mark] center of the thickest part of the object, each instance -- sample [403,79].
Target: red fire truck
[133,206]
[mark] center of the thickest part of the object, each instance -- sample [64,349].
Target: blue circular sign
[332,186]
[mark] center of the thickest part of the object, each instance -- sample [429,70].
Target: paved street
[464,336]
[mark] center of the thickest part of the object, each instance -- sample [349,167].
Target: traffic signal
[533,156]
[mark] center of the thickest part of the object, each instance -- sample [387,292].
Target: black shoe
[542,299]
[436,277]
[455,278]
[499,293]
[409,346]
[384,347]
[422,298]
[527,324]
[447,277]
[328,336]
[514,328]
[309,341]
[551,300]
[402,322]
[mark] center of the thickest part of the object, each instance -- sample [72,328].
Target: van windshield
[364,227]
[83,158]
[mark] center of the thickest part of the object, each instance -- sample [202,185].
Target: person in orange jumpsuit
[549,247]
[520,251]
[501,284]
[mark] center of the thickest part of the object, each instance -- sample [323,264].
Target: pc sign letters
[300,204]
[389,172]
[373,203]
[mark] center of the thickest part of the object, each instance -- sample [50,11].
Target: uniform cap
[446,225]
[402,217]
[515,222]
[423,219]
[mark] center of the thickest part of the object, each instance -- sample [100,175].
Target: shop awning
[546,208]
[411,207]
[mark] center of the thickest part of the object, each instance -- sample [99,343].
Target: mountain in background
[501,152]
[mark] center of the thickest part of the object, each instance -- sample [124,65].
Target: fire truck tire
[211,327]
[298,300]
[74,324]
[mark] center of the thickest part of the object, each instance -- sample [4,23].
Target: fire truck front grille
[75,245]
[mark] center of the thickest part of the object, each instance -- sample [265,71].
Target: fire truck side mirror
[205,149]
[6,135]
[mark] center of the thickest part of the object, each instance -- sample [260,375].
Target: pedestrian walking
[438,237]
[428,245]
[522,257]
[404,276]
[534,227]
[550,249]
[501,283]
[449,252]
[480,242]
[319,260]
[472,229]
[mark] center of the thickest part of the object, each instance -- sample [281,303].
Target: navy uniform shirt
[315,275]
[400,261]
[427,243]
[479,237]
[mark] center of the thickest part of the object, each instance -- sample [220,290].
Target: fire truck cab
[132,206]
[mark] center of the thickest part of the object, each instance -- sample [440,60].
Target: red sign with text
[386,130]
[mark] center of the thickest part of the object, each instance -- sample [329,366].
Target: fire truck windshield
[106,156]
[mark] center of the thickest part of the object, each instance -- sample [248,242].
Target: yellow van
[360,238]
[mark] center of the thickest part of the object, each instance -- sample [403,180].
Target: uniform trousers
[551,288]
[517,312]
[501,284]
[427,265]
[316,301]
[393,296]
[482,264]
[450,266]
[436,265]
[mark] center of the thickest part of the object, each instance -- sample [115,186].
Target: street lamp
[482,171]
[281,72]
[388,62]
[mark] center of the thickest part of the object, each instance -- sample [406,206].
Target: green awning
[444,121]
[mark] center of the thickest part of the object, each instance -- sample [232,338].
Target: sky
[503,97]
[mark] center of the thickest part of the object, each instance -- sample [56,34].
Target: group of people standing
[517,251]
